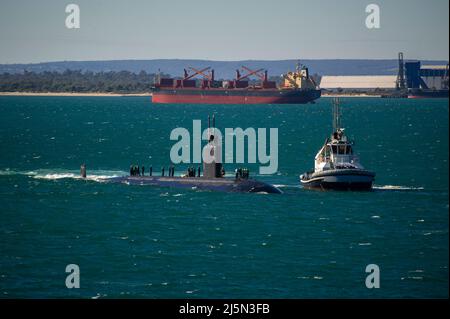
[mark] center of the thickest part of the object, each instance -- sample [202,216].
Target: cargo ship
[296,88]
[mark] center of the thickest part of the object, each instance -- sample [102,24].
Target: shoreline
[351,95]
[148,94]
[72,94]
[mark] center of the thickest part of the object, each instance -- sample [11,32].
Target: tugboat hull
[342,179]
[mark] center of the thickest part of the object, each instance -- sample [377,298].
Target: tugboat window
[349,150]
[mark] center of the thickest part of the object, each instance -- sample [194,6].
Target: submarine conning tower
[212,167]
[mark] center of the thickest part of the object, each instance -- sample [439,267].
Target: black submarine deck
[201,183]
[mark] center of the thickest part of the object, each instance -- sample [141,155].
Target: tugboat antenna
[336,114]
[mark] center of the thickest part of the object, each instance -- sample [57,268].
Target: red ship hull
[235,96]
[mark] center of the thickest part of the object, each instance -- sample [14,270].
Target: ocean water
[139,241]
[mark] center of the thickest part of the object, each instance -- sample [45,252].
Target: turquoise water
[136,241]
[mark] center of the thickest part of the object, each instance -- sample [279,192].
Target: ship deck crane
[251,72]
[201,72]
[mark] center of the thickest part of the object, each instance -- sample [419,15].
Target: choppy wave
[55,174]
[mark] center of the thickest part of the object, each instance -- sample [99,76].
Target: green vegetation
[122,82]
[78,82]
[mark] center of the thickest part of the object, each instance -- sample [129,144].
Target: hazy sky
[35,31]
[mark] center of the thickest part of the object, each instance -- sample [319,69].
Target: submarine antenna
[209,127]
[83,170]
[214,124]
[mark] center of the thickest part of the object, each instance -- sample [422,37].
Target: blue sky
[34,31]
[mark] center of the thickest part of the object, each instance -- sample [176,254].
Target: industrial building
[358,83]
[432,77]
[412,80]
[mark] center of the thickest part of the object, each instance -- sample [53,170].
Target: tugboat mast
[336,114]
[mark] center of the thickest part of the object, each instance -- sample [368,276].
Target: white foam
[90,177]
[395,187]
[56,174]
[286,186]
[7,173]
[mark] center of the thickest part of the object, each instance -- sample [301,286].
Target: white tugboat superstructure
[336,166]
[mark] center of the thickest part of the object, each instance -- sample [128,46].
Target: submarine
[212,179]
[240,185]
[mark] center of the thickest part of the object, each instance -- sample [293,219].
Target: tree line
[77,81]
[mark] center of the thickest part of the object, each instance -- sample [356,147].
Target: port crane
[400,82]
[445,79]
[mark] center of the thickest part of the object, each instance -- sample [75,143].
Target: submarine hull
[200,183]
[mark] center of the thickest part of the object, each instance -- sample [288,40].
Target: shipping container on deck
[240,84]
[166,82]
[270,85]
[189,83]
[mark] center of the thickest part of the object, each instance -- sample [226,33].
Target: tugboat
[335,165]
[213,178]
